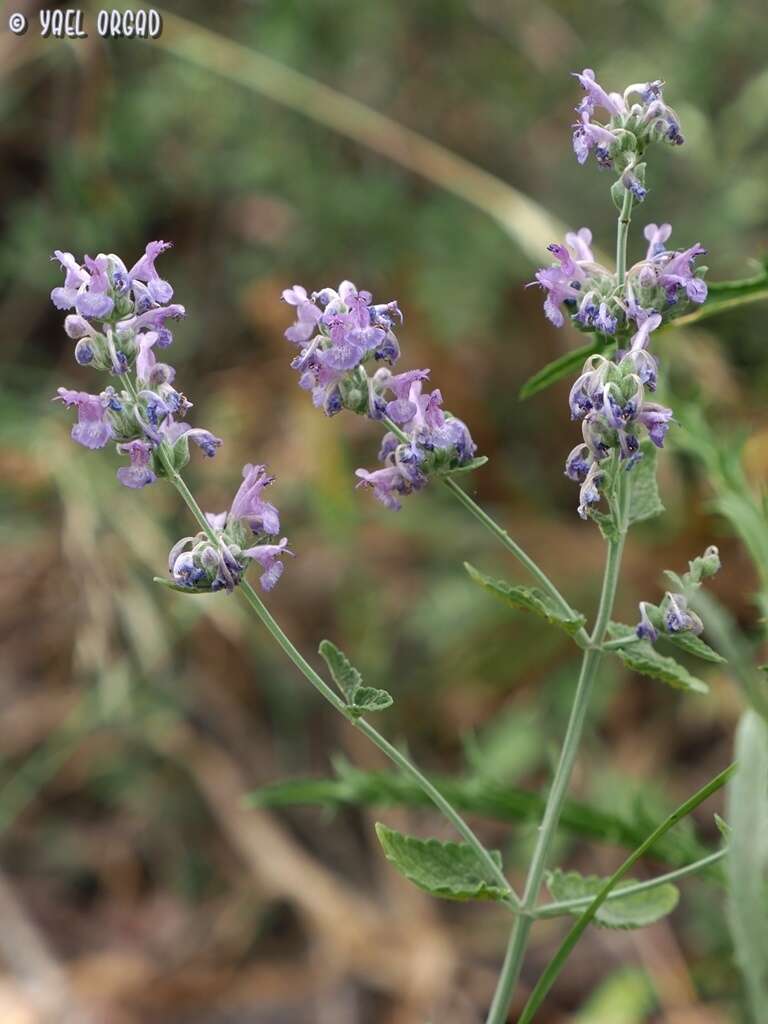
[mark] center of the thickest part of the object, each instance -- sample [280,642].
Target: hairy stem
[290,649]
[622,234]
[518,940]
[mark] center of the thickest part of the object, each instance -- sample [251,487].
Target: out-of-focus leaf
[353,787]
[747,860]
[529,599]
[452,871]
[635,911]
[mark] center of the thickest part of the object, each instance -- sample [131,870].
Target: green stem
[622,234]
[394,755]
[547,979]
[567,906]
[518,940]
[501,534]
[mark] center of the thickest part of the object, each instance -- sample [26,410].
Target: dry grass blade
[527,223]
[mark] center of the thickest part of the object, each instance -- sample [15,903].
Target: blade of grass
[530,226]
[548,978]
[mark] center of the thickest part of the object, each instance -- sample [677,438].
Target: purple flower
[677,273]
[656,419]
[596,96]
[678,618]
[250,507]
[645,629]
[94,300]
[338,332]
[75,278]
[656,235]
[268,556]
[388,484]
[589,492]
[577,280]
[93,428]
[138,474]
[144,270]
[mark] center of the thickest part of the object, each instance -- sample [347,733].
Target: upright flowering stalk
[621,424]
[347,347]
[119,324]
[624,306]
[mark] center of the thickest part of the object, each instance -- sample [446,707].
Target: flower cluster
[630,123]
[609,399]
[665,282]
[119,324]
[673,616]
[196,564]
[340,333]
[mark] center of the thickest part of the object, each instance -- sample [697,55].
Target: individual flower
[197,563]
[139,473]
[94,427]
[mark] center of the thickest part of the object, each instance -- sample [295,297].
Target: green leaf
[617,194]
[349,681]
[562,366]
[607,524]
[468,467]
[368,698]
[642,657]
[171,585]
[635,911]
[452,871]
[747,859]
[528,598]
[493,800]
[644,501]
[344,674]
[692,644]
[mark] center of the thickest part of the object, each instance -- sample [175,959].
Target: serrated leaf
[607,524]
[368,698]
[344,674]
[692,644]
[635,911]
[529,599]
[452,871]
[562,366]
[644,500]
[642,657]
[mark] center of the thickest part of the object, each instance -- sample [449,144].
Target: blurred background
[136,884]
